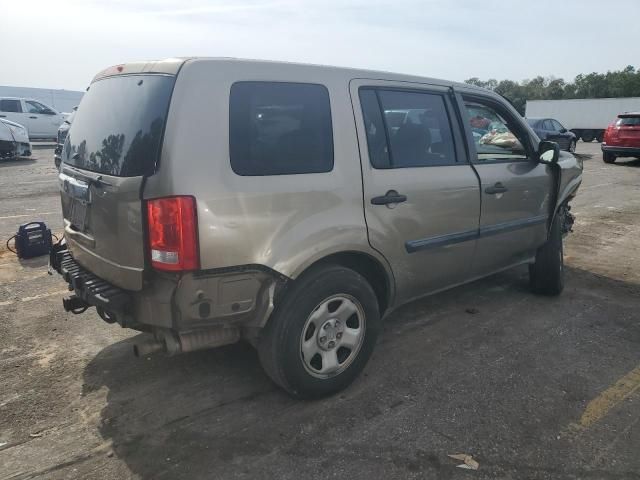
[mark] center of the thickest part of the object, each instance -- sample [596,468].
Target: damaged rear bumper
[188,312]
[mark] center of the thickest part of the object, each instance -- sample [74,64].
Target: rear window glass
[280,128]
[629,121]
[117,129]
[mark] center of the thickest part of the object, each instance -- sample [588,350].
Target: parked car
[305,217]
[552,130]
[14,141]
[622,138]
[62,135]
[40,120]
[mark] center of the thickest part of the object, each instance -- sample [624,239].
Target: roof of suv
[172,65]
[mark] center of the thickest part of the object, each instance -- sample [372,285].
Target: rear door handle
[33,116]
[390,197]
[3,116]
[497,188]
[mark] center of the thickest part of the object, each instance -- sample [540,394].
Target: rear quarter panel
[284,222]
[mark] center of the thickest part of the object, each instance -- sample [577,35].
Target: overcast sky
[62,44]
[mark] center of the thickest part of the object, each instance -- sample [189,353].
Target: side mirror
[548,152]
[48,112]
[563,130]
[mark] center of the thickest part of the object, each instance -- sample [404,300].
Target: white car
[40,120]
[14,140]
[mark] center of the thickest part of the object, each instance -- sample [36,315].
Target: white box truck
[588,118]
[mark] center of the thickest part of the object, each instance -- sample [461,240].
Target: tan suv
[207,201]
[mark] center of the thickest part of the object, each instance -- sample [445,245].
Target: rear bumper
[622,151]
[89,288]
[243,297]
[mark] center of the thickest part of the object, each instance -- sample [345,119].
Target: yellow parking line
[600,406]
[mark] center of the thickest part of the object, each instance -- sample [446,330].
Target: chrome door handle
[497,188]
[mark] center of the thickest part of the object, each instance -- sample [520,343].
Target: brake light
[610,132]
[173,233]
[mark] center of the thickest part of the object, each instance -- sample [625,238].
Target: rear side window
[118,127]
[629,121]
[12,106]
[407,129]
[278,128]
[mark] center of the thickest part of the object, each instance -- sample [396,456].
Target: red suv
[622,138]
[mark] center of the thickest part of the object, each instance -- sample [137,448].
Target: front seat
[410,145]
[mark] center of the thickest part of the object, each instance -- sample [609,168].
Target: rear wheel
[600,136]
[546,275]
[323,333]
[587,136]
[608,157]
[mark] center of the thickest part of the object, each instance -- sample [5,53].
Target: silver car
[208,201]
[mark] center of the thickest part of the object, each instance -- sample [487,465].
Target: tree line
[619,83]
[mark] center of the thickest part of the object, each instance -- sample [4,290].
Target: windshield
[117,130]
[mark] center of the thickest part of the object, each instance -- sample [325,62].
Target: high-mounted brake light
[173,233]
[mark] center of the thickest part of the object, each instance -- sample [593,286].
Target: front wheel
[572,146]
[322,334]
[546,275]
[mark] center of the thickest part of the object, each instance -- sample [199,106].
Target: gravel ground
[532,387]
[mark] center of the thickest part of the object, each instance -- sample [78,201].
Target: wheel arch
[371,268]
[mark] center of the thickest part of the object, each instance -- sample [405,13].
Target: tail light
[173,233]
[610,132]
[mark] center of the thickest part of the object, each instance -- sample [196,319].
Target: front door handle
[33,116]
[388,198]
[3,116]
[497,188]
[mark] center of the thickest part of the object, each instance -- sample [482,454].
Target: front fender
[568,172]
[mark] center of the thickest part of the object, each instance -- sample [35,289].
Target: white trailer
[588,118]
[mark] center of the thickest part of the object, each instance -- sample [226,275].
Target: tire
[572,146]
[608,157]
[329,304]
[546,275]
[587,136]
[600,136]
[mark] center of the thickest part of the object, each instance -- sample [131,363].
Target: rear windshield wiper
[97,181]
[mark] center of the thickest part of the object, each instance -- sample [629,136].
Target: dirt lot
[532,387]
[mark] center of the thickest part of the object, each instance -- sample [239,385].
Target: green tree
[619,83]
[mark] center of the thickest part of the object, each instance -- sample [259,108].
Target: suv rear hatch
[628,127]
[112,145]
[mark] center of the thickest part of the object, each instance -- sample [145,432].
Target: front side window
[557,126]
[407,128]
[495,136]
[548,126]
[12,106]
[278,128]
[35,107]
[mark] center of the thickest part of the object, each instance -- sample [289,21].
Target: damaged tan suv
[207,201]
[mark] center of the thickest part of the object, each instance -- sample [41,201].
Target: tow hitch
[74,304]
